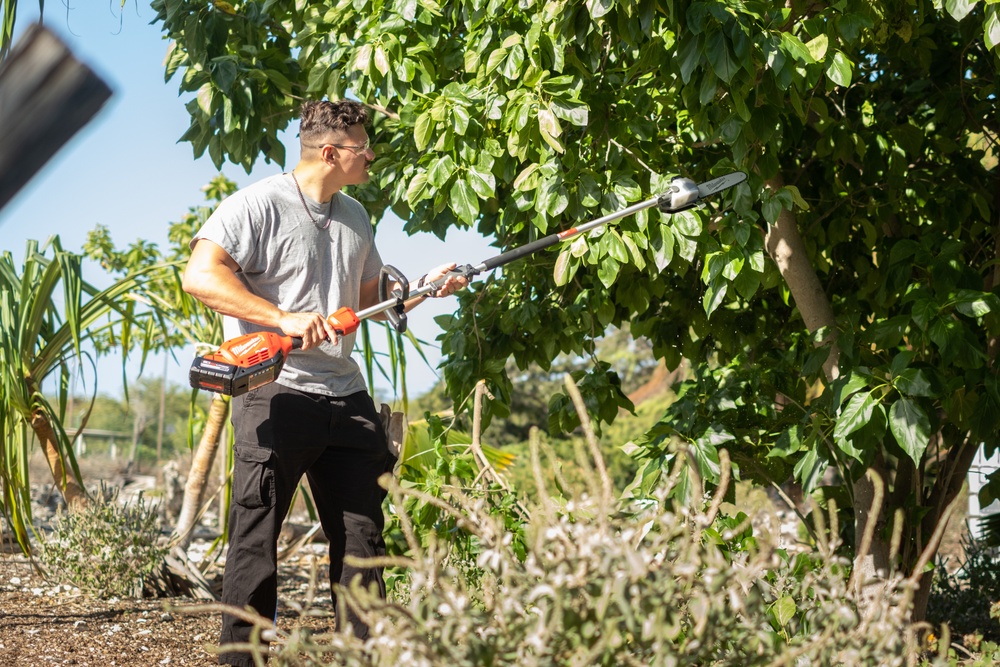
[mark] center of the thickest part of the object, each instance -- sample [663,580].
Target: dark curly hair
[320,117]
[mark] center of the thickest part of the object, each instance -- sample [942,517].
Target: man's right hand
[312,328]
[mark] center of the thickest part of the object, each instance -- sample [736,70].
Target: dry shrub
[600,584]
[107,548]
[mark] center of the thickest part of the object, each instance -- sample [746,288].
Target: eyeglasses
[358,150]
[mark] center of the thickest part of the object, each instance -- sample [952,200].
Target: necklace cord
[302,198]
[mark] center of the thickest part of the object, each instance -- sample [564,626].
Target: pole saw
[252,360]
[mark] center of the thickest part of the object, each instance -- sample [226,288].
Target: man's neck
[315,181]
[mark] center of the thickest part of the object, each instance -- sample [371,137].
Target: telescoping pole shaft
[682,195]
[470,270]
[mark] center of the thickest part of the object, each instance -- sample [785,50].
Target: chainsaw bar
[709,188]
[685,193]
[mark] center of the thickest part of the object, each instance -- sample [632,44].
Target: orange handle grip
[344,321]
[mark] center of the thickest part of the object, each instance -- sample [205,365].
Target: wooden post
[46,96]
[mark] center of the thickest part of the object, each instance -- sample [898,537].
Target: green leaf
[599,8]
[496,57]
[719,56]
[796,197]
[482,182]
[549,127]
[663,248]
[687,223]
[817,47]
[771,209]
[794,46]
[574,113]
[205,94]
[608,271]
[788,443]
[853,383]
[422,130]
[224,73]
[839,69]
[463,201]
[991,29]
[911,427]
[418,189]
[747,283]
[636,254]
[363,58]
[512,64]
[440,171]
[959,9]
[809,470]
[913,382]
[381,60]
[976,304]
[565,268]
[616,247]
[855,414]
[784,610]
[527,179]
[460,120]
[715,294]
[985,415]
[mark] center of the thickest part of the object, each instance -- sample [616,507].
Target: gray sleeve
[231,226]
[373,264]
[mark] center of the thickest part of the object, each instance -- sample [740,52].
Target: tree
[840,309]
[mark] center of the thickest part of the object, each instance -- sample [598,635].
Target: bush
[598,584]
[963,599]
[105,548]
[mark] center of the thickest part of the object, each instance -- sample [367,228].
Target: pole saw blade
[685,193]
[709,188]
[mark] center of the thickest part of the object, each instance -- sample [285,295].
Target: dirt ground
[42,624]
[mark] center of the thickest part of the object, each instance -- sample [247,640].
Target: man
[281,255]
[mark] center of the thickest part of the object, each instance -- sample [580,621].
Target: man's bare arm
[210,276]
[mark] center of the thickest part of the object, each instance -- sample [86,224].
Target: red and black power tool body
[249,361]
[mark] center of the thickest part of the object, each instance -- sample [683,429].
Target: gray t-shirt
[297,265]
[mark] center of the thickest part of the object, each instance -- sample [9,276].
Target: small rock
[15,581]
[166,617]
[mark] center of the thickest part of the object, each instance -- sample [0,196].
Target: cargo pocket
[253,477]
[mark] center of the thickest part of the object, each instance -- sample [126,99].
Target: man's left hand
[452,284]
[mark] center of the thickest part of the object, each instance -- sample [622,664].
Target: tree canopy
[839,309]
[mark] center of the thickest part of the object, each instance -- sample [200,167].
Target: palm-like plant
[51,318]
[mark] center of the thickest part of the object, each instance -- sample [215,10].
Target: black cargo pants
[339,444]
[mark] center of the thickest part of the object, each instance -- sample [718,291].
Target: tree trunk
[72,493]
[201,465]
[785,246]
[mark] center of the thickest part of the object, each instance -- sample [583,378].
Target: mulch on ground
[42,623]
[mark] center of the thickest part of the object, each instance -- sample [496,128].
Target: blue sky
[126,171]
